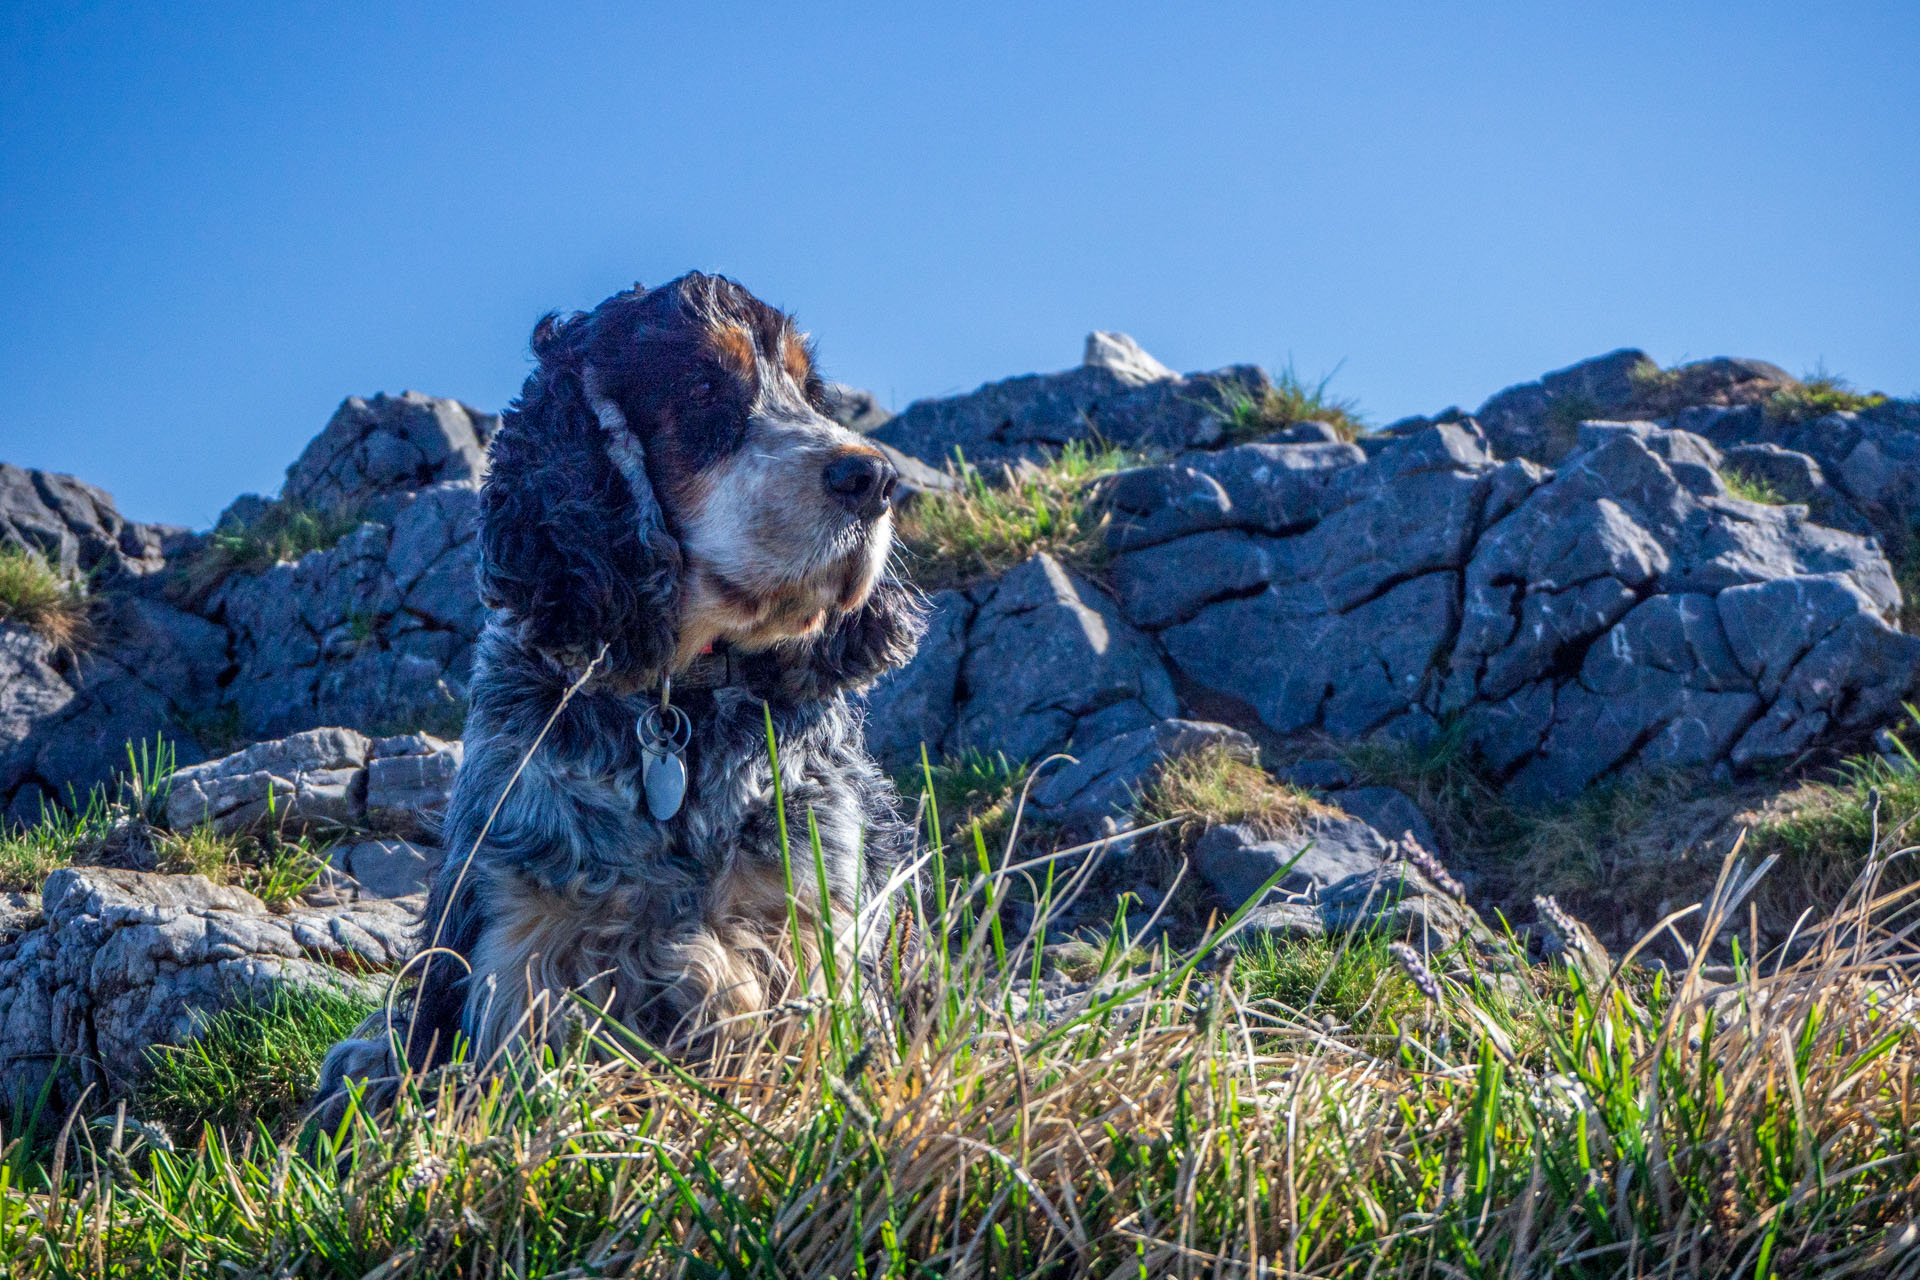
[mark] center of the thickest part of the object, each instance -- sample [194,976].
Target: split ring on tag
[664,732]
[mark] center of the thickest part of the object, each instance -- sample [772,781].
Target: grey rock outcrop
[1620,612]
[1119,394]
[322,779]
[66,719]
[390,444]
[121,961]
[854,409]
[376,630]
[1036,662]
[75,527]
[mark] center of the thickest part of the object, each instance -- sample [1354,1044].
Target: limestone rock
[126,960]
[389,444]
[1100,790]
[74,526]
[1120,394]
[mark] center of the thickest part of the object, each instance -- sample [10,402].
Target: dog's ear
[573,543]
[854,649]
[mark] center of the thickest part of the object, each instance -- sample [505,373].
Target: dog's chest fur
[576,887]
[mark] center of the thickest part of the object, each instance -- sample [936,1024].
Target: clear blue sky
[213,227]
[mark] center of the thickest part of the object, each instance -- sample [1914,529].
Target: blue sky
[214,227]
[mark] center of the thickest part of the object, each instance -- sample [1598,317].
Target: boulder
[389,444]
[1119,394]
[913,706]
[1098,792]
[363,869]
[1580,622]
[75,527]
[121,961]
[375,631]
[1535,419]
[1235,859]
[314,780]
[1051,666]
[324,780]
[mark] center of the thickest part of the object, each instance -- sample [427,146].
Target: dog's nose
[862,482]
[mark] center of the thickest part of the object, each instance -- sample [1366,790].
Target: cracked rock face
[376,630]
[388,444]
[75,527]
[120,961]
[323,780]
[1622,611]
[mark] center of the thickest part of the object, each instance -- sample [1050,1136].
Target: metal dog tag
[664,732]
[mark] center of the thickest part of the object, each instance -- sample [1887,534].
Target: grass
[32,595]
[1764,1126]
[251,1065]
[1819,394]
[282,531]
[1289,400]
[968,789]
[1751,488]
[118,823]
[1351,983]
[988,526]
[1216,785]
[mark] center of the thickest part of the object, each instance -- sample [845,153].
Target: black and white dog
[670,512]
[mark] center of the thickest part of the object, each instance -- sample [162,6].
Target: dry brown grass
[34,596]
[1220,785]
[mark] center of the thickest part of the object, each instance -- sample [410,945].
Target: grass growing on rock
[1751,488]
[1289,400]
[32,595]
[280,531]
[1819,394]
[968,789]
[254,1064]
[1219,785]
[989,524]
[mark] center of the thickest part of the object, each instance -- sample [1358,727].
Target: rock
[1389,811]
[315,779]
[1317,775]
[409,780]
[1576,621]
[380,869]
[1124,357]
[1400,901]
[854,409]
[1102,788]
[913,706]
[1235,860]
[1050,664]
[375,631]
[1535,419]
[127,960]
[1120,395]
[389,444]
[66,720]
[915,476]
[75,527]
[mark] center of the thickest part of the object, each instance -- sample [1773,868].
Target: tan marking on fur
[732,345]
[793,356]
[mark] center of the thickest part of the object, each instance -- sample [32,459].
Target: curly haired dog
[666,499]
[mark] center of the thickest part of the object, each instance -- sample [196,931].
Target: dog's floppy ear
[855,649]
[573,543]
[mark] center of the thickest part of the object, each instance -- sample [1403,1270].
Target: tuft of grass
[986,527]
[282,531]
[969,789]
[1355,982]
[78,830]
[274,868]
[1824,831]
[32,595]
[1751,488]
[251,1065]
[217,730]
[1819,394]
[1289,400]
[1216,786]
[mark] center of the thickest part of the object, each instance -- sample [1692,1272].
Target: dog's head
[669,478]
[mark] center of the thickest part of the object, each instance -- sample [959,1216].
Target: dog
[669,517]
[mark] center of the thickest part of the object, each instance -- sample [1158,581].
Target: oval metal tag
[665,780]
